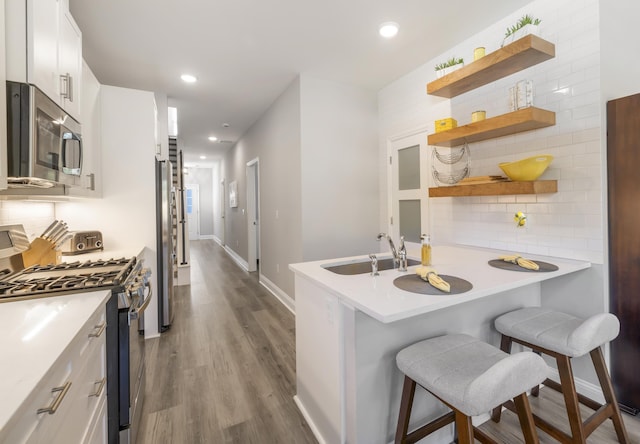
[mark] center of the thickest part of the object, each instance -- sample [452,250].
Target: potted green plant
[449,66]
[524,26]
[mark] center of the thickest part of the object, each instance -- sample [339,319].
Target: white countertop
[34,334]
[379,298]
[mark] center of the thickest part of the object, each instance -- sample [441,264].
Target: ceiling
[246,52]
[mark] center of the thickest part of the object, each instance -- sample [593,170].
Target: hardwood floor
[225,370]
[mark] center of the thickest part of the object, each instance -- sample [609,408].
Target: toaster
[82,242]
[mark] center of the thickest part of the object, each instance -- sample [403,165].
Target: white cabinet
[90,116]
[46,49]
[67,405]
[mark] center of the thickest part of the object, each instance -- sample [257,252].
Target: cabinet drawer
[89,391]
[97,432]
[61,399]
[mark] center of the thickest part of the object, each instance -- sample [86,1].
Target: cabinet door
[623,160]
[91,183]
[70,64]
[43,57]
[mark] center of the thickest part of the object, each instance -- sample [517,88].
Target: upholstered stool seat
[469,376]
[558,331]
[564,336]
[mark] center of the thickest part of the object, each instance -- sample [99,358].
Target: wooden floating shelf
[521,54]
[496,189]
[525,119]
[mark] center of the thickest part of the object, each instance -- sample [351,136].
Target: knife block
[40,252]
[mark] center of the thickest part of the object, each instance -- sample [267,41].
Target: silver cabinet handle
[62,392]
[101,384]
[92,181]
[100,329]
[66,86]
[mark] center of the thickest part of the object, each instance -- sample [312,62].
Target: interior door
[623,163]
[408,190]
[192,203]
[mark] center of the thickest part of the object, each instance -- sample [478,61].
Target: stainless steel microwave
[44,142]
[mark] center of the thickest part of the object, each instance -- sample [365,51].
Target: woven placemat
[544,266]
[415,284]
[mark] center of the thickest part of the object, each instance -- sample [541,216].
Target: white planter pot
[448,70]
[525,30]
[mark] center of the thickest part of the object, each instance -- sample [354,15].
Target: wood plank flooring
[225,370]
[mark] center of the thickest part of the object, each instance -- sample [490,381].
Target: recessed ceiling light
[213,138]
[188,78]
[388,29]
[226,125]
[203,157]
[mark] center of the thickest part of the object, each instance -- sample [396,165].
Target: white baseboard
[205,236]
[217,240]
[241,262]
[307,417]
[283,297]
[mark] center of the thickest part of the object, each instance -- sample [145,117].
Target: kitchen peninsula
[350,327]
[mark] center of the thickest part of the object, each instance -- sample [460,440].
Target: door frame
[253,214]
[223,211]
[417,136]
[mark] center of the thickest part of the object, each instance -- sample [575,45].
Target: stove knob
[80,246]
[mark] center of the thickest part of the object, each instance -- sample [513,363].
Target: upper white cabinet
[45,50]
[91,118]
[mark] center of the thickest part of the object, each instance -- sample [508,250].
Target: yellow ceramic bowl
[526,169]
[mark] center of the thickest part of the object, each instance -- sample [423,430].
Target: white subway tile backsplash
[568,223]
[35,217]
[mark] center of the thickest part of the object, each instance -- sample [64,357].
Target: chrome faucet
[399,258]
[402,256]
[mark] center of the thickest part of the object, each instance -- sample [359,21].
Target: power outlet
[277,268]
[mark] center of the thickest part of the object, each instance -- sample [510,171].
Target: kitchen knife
[61,228]
[58,245]
[59,235]
[49,229]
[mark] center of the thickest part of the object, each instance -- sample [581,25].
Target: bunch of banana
[519,260]
[430,275]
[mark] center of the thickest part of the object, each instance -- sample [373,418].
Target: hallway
[225,371]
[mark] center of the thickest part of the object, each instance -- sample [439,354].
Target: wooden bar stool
[564,337]
[471,377]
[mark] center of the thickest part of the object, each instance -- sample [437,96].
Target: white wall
[565,224]
[275,139]
[339,169]
[126,213]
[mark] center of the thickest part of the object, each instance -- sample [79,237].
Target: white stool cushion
[559,332]
[468,374]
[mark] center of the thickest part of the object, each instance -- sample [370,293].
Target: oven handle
[135,313]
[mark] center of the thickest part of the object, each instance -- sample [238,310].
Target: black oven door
[132,397]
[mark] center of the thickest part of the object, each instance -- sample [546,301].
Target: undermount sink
[365,266]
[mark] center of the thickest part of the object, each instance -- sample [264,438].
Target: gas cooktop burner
[43,280]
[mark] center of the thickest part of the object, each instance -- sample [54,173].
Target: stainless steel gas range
[130,294]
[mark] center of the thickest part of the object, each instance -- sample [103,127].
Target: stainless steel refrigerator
[165,204]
